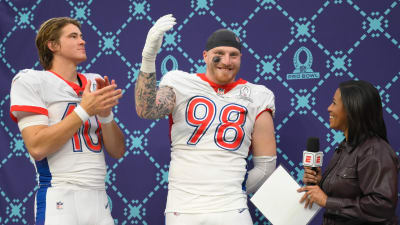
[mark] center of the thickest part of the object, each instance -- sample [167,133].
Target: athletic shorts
[63,206]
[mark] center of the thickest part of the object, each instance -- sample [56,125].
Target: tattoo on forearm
[150,103]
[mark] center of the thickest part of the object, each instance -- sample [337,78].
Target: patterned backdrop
[301,50]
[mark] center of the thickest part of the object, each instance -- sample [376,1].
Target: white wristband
[148,65]
[83,115]
[107,119]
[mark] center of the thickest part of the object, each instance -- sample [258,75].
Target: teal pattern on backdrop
[301,50]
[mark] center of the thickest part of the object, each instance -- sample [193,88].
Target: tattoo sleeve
[150,102]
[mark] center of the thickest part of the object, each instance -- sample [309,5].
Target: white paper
[278,200]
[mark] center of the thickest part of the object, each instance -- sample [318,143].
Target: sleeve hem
[265,110]
[333,203]
[24,108]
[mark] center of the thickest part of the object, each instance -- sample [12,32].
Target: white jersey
[80,162]
[211,129]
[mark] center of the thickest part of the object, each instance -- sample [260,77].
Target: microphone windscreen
[313,144]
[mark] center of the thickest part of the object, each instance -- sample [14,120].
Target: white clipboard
[278,200]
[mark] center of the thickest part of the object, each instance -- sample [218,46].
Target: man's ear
[204,55]
[52,45]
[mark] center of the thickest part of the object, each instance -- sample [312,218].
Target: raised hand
[154,41]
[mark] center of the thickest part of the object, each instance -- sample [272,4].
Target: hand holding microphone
[311,177]
[312,161]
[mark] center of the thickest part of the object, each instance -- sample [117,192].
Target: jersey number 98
[200,113]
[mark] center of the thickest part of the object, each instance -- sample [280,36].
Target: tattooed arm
[150,102]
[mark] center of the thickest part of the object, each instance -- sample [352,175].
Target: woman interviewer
[359,185]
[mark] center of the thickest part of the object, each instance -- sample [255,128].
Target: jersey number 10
[84,132]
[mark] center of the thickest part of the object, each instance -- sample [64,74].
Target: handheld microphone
[312,157]
[216,59]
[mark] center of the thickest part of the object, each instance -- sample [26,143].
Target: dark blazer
[361,184]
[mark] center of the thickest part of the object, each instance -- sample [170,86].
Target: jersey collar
[221,89]
[78,89]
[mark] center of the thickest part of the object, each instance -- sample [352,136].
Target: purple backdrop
[301,50]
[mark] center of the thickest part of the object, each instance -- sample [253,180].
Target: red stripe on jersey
[78,89]
[26,108]
[226,87]
[265,110]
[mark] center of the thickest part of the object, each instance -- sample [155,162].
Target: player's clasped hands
[100,101]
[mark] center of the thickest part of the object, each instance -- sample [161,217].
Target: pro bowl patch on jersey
[245,93]
[302,70]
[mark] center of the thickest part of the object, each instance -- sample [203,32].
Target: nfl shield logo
[59,205]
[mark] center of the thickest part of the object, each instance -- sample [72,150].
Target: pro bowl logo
[302,70]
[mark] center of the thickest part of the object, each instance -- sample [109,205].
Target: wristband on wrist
[148,65]
[107,119]
[83,115]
